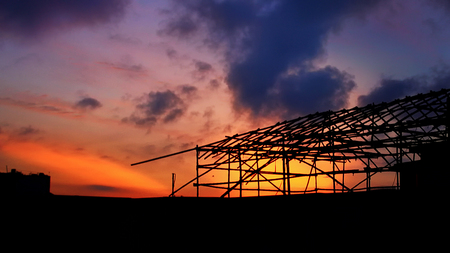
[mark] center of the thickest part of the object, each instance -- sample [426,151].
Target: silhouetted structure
[397,145]
[16,183]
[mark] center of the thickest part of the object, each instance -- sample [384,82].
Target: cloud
[28,18]
[201,69]
[27,131]
[300,95]
[270,48]
[122,66]
[434,26]
[172,53]
[180,27]
[165,106]
[208,116]
[38,103]
[440,4]
[102,188]
[390,89]
[88,104]
[125,39]
[187,91]
[214,84]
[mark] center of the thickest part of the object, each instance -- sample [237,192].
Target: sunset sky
[88,87]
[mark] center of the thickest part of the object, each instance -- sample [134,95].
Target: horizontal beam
[161,157]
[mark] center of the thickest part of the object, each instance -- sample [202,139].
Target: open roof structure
[349,150]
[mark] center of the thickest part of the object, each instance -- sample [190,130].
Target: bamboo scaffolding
[377,136]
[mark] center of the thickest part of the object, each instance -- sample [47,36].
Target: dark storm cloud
[299,93]
[270,47]
[156,106]
[88,104]
[30,18]
[390,89]
[445,4]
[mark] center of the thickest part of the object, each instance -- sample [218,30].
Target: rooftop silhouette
[16,183]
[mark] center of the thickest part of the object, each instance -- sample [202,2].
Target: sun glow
[85,170]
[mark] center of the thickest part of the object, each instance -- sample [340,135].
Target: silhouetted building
[428,174]
[16,183]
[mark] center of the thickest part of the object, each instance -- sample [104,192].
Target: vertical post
[368,175]
[334,161]
[173,184]
[198,186]
[288,177]
[229,172]
[399,149]
[315,174]
[284,173]
[257,175]
[372,129]
[334,177]
[343,175]
[398,180]
[240,174]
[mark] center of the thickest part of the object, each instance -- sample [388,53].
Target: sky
[88,87]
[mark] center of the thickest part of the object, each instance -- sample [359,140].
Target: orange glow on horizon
[71,168]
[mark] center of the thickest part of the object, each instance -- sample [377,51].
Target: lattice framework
[374,138]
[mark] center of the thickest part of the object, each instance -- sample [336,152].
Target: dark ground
[381,220]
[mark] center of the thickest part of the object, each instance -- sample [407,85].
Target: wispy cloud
[48,106]
[123,66]
[125,39]
[29,19]
[28,130]
[57,107]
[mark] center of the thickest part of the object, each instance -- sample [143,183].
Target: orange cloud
[41,104]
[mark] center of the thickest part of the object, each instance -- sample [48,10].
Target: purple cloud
[88,104]
[28,18]
[161,106]
[269,48]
